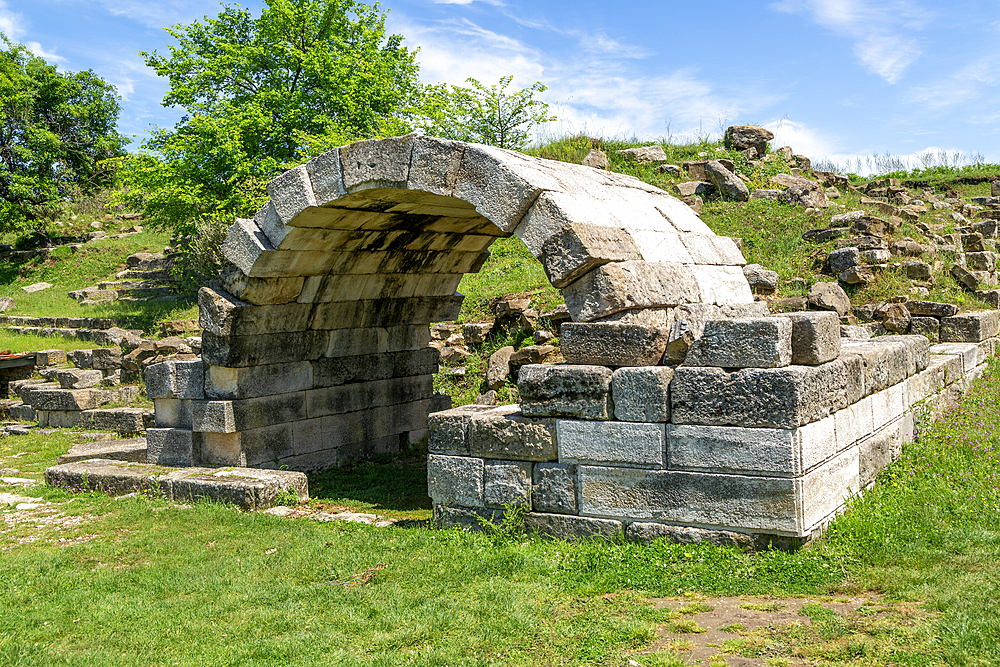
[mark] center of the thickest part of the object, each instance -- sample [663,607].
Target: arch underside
[315,347]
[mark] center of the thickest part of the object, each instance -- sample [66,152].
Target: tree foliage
[484,115]
[263,93]
[57,134]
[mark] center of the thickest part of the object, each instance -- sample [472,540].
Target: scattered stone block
[611,443]
[82,358]
[75,378]
[498,367]
[564,527]
[931,309]
[612,344]
[49,358]
[36,287]
[743,343]
[642,394]
[653,154]
[132,449]
[762,281]
[926,326]
[971,327]
[106,358]
[565,390]
[829,296]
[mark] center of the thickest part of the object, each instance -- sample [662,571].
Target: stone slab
[455,480]
[612,344]
[970,327]
[448,430]
[565,390]
[743,343]
[554,488]
[505,433]
[130,449]
[815,337]
[611,443]
[642,394]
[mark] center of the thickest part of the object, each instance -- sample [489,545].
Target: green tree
[484,115]
[57,134]
[263,93]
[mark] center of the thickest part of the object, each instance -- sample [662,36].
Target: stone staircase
[147,278]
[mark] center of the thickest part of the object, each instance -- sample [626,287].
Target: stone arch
[315,343]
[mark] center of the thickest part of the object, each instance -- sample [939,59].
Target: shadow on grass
[390,482]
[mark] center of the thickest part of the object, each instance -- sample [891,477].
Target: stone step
[135,274]
[128,284]
[163,299]
[247,488]
[145,261]
[94,295]
[131,449]
[145,292]
[61,322]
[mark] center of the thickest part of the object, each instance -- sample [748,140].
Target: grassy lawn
[909,576]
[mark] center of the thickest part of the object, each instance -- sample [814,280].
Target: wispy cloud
[966,85]
[11,22]
[588,89]
[50,56]
[158,14]
[881,31]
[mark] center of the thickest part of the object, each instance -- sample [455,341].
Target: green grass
[29,343]
[143,581]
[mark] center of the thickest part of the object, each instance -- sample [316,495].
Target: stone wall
[315,337]
[760,437]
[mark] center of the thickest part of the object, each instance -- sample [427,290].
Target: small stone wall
[759,438]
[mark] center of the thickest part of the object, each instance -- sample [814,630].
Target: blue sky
[834,79]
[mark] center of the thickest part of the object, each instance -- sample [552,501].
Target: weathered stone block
[826,489]
[612,344]
[360,396]
[172,447]
[743,343]
[75,378]
[917,350]
[106,358]
[580,247]
[334,371]
[565,390]
[779,397]
[885,363]
[565,527]
[455,480]
[853,423]
[931,309]
[68,399]
[611,443]
[967,354]
[224,315]
[176,379]
[971,327]
[172,413]
[251,381]
[879,450]
[126,421]
[448,430]
[554,488]
[376,163]
[707,499]
[237,351]
[506,483]
[504,433]
[82,358]
[888,404]
[815,337]
[58,418]
[645,532]
[928,327]
[619,286]
[642,394]
[50,358]
[383,313]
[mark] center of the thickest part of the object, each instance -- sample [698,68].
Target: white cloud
[961,88]
[803,140]
[588,89]
[37,50]
[877,28]
[11,23]
[158,14]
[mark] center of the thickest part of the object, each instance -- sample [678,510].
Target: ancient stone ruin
[686,409]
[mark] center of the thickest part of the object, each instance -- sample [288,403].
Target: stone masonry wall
[758,438]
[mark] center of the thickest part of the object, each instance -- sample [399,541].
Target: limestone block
[925,384]
[722,285]
[884,363]
[612,344]
[743,343]
[879,450]
[68,399]
[987,349]
[772,397]
[335,371]
[435,165]
[917,350]
[75,378]
[970,327]
[384,312]
[106,358]
[611,443]
[448,430]
[554,488]
[290,193]
[354,342]
[967,353]
[247,489]
[853,423]
[767,451]
[888,405]
[563,527]
[82,358]
[646,532]
[815,337]
[222,382]
[339,287]
[244,244]
[706,499]
[618,286]
[361,396]
[642,394]
[176,379]
[396,261]
[469,519]
[50,357]
[238,351]
[931,309]
[580,247]
[501,184]
[376,163]
[172,413]
[506,483]
[727,182]
[260,291]
[827,488]
[249,413]
[455,480]
[325,177]
[224,315]
[125,421]
[172,447]
[505,433]
[928,327]
[58,418]
[565,390]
